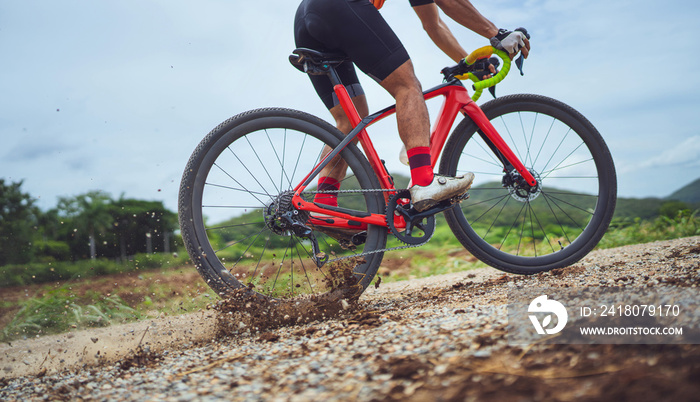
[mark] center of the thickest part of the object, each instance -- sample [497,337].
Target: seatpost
[344,97]
[333,76]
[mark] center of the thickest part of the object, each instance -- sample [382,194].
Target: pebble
[340,361]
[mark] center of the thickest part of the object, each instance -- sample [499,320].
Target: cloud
[135,102]
[684,154]
[28,152]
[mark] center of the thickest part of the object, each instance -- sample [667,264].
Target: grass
[635,231]
[60,310]
[100,301]
[103,301]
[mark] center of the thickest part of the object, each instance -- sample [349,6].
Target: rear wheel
[236,215]
[519,229]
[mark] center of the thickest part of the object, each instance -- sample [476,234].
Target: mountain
[687,197]
[644,208]
[689,193]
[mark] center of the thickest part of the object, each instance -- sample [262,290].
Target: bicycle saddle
[312,61]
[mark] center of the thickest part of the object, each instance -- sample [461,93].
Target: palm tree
[90,214]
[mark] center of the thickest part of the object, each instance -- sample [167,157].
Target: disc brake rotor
[519,190]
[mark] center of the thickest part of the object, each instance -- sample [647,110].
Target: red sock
[327,184]
[421,169]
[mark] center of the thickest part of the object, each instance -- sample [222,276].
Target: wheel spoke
[514,224]
[233,226]
[301,261]
[253,193]
[231,244]
[257,265]
[544,142]
[243,190]
[512,141]
[296,165]
[544,169]
[262,164]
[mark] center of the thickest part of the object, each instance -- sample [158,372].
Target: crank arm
[412,216]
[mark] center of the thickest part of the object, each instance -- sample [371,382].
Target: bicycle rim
[236,188]
[522,230]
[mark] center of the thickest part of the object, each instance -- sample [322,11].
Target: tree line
[90,225]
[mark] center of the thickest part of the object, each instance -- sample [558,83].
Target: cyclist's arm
[438,31]
[463,12]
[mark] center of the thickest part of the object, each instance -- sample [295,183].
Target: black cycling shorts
[355,28]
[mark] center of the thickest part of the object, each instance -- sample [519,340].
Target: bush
[628,231]
[671,209]
[26,274]
[51,250]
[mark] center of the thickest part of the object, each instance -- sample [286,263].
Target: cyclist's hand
[482,68]
[512,41]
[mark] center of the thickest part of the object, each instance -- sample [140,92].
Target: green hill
[645,208]
[689,193]
[688,197]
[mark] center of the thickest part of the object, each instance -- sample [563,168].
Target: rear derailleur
[301,230]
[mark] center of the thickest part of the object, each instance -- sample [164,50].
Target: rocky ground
[438,338]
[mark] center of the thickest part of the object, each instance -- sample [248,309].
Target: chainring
[416,232]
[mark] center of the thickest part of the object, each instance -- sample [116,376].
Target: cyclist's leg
[341,119]
[345,126]
[333,174]
[414,126]
[411,111]
[312,31]
[374,47]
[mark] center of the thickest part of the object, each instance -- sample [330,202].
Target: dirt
[627,372]
[243,309]
[390,317]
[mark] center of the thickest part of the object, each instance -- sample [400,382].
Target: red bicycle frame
[456,100]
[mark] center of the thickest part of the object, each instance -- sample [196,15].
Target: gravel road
[438,338]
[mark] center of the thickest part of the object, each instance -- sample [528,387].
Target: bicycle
[541,200]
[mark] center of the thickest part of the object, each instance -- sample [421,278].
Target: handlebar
[480,85]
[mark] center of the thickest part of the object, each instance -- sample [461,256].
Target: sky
[115,95]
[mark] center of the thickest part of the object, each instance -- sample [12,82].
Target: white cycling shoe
[441,188]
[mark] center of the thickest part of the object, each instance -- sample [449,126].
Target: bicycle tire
[228,170]
[574,205]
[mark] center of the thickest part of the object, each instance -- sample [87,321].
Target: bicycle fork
[497,145]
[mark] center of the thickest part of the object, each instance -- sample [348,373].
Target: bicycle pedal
[414,216]
[351,244]
[359,238]
[460,198]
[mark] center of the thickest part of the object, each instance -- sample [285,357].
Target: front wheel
[524,230]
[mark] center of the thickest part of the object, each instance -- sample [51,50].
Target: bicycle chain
[383,250]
